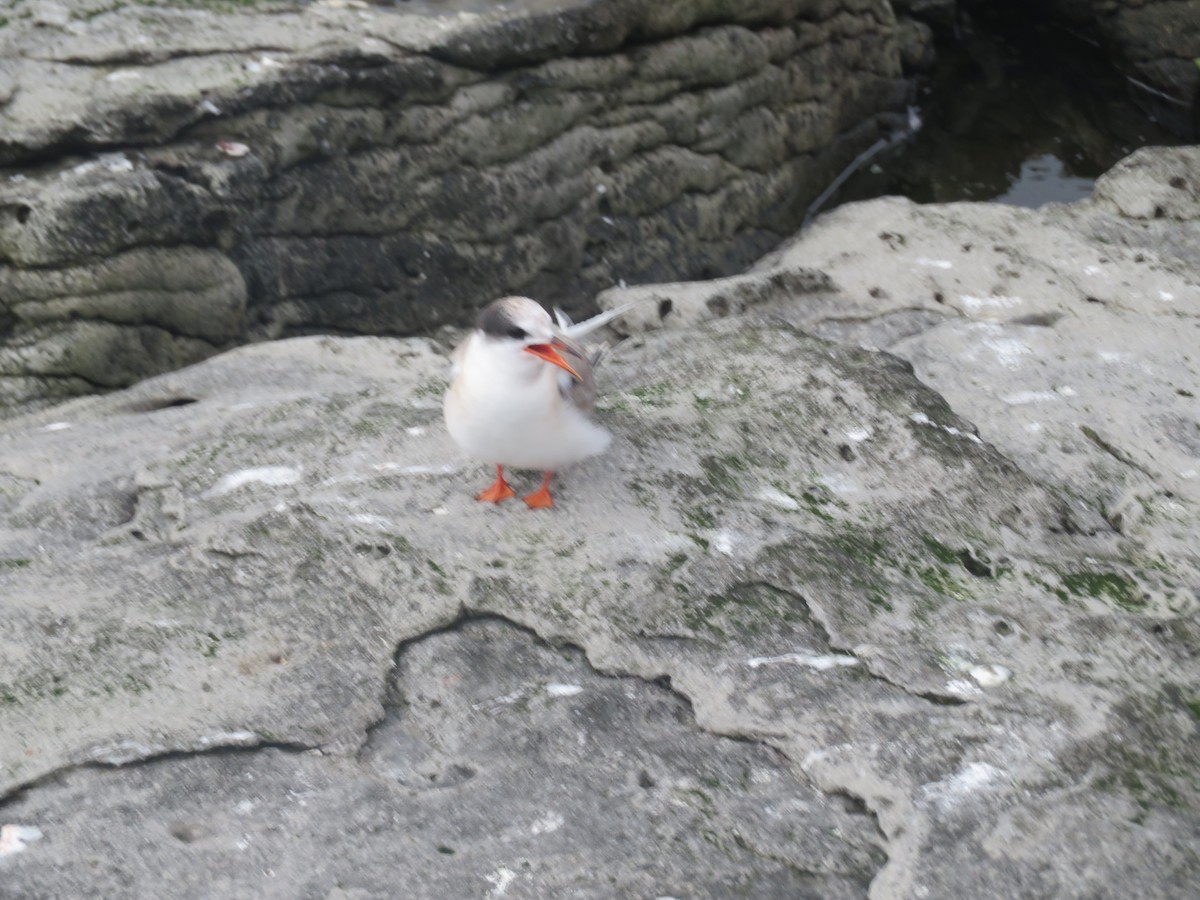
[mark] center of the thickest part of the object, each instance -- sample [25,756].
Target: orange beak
[549,354]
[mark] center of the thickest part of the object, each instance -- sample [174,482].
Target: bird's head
[518,325]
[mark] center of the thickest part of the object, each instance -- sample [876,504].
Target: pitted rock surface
[265,575]
[337,167]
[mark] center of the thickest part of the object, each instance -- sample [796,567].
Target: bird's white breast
[506,407]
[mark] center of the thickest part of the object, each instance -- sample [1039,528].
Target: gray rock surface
[803,631]
[384,169]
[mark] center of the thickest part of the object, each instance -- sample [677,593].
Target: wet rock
[1154,42]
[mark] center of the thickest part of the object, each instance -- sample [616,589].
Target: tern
[520,393]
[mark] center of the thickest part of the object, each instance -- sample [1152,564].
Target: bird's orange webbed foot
[541,499]
[500,489]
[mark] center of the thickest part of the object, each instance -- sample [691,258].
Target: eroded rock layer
[181,180]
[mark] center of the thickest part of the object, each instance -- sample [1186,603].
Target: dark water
[1013,115]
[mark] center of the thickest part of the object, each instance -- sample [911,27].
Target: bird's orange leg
[541,499]
[499,490]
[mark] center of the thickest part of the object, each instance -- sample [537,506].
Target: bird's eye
[518,334]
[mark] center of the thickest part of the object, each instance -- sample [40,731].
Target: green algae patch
[745,610]
[1193,707]
[938,579]
[722,473]
[1111,586]
[940,551]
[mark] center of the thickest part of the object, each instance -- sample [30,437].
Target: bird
[520,392]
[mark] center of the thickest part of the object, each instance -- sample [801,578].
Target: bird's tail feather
[587,326]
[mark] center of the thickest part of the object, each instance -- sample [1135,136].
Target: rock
[388,169]
[1154,184]
[917,52]
[104,325]
[1154,42]
[804,630]
[546,752]
[998,308]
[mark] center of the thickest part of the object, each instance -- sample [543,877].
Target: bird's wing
[580,392]
[456,357]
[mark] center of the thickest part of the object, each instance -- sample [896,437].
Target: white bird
[521,388]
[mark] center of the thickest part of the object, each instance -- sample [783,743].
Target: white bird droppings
[500,880]
[119,753]
[934,263]
[227,738]
[858,435]
[547,824]
[57,426]
[368,519]
[776,497]
[563,690]
[1008,351]
[821,663]
[978,304]
[113,162]
[989,675]
[1022,397]
[17,838]
[233,148]
[723,542]
[921,419]
[273,476]
[970,779]
[960,687]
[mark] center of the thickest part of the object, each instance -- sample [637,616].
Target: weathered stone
[1158,184]
[209,298]
[950,628]
[502,760]
[385,170]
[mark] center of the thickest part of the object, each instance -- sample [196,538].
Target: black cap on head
[495,319]
[500,317]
